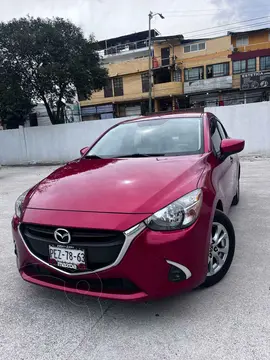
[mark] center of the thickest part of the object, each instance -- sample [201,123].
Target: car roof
[189,114]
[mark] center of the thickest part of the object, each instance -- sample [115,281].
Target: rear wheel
[221,250]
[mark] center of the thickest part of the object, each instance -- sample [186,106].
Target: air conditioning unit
[233,49]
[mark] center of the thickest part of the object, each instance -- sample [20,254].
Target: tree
[15,102]
[53,60]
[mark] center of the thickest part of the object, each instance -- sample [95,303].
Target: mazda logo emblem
[62,236]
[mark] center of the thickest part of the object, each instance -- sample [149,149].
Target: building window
[194,47]
[165,56]
[177,76]
[145,82]
[114,87]
[194,74]
[118,86]
[265,63]
[162,75]
[217,70]
[243,66]
[251,65]
[108,91]
[239,67]
[241,41]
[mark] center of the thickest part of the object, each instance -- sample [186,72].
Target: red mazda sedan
[142,214]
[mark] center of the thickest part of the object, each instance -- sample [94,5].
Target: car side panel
[223,182]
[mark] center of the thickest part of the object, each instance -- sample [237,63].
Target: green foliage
[15,103]
[53,59]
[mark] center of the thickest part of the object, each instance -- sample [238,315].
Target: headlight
[179,214]
[19,204]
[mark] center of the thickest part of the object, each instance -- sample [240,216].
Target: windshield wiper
[92,157]
[138,155]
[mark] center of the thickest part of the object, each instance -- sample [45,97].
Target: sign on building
[256,80]
[219,83]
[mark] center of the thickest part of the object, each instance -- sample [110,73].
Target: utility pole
[150,64]
[151,15]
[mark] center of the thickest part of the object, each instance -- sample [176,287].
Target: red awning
[249,54]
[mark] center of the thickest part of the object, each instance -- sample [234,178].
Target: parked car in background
[142,214]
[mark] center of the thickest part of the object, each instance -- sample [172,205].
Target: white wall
[250,122]
[61,143]
[12,147]
[50,144]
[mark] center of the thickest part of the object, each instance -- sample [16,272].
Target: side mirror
[84,150]
[231,146]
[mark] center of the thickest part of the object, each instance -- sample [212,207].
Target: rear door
[223,174]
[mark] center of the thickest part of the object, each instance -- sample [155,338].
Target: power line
[228,24]
[214,9]
[188,15]
[195,10]
[231,29]
[203,14]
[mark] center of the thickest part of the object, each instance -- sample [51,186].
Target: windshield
[160,137]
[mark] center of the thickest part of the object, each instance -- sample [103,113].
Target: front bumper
[143,272]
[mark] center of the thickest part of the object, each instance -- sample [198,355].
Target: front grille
[102,247]
[109,285]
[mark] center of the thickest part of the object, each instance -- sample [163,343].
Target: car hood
[133,185]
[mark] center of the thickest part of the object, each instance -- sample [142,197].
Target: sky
[111,18]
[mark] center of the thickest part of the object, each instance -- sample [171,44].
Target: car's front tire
[221,249]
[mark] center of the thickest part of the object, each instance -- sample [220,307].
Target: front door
[224,173]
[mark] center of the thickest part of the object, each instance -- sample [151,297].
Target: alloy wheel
[219,249]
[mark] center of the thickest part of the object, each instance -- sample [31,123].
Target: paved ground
[228,321]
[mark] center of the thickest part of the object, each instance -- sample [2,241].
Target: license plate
[67,257]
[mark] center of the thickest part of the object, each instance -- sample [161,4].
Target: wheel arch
[219,206]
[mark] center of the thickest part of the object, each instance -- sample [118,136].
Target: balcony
[252,47]
[218,83]
[168,89]
[126,51]
[159,62]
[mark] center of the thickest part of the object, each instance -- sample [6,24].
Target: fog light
[176,274]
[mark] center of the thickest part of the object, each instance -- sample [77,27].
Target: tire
[220,260]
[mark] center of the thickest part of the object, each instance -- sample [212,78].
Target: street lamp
[151,15]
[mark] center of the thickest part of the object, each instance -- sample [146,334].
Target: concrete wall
[49,144]
[250,122]
[61,143]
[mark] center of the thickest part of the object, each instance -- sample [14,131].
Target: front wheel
[221,249]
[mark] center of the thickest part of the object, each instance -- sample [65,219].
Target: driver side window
[218,133]
[222,131]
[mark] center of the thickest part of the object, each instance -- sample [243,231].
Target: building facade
[126,93]
[226,70]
